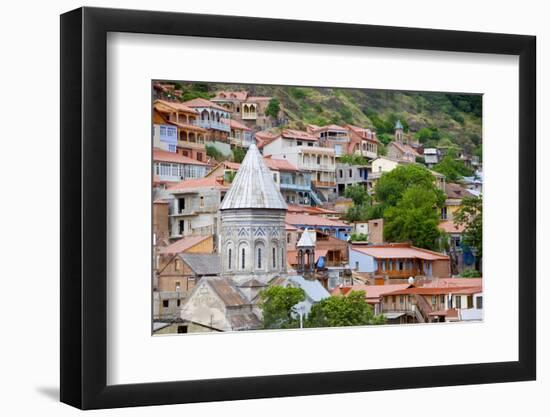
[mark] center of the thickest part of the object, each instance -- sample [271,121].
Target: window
[282,258]
[340,173]
[442,299]
[165,303]
[479,302]
[181,227]
[229,258]
[259,258]
[434,300]
[288,238]
[178,303]
[458,301]
[443,213]
[401,299]
[274,256]
[177,265]
[350,173]
[182,329]
[299,143]
[202,202]
[243,253]
[181,204]
[199,156]
[178,286]
[470,301]
[318,159]
[357,265]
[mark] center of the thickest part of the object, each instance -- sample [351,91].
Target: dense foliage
[238,154]
[470,215]
[278,307]
[273,108]
[452,168]
[351,310]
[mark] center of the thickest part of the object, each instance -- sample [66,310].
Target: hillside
[437,119]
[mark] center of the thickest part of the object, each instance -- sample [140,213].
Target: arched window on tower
[243,258]
[274,257]
[229,258]
[259,260]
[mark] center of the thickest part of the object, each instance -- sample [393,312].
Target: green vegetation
[361,208]
[359,237]
[353,159]
[273,108]
[452,168]
[212,152]
[238,154]
[408,199]
[470,215]
[278,307]
[195,90]
[470,273]
[338,311]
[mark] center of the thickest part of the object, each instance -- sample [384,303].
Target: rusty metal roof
[253,186]
[227,292]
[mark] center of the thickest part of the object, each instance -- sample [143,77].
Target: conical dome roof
[305,241]
[253,186]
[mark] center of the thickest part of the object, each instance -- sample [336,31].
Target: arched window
[259,260]
[243,258]
[274,257]
[229,258]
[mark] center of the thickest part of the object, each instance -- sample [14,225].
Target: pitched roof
[231,95]
[202,102]
[237,125]
[456,191]
[372,292]
[437,290]
[206,182]
[228,293]
[164,156]
[328,127]
[169,106]
[253,186]
[398,124]
[454,282]
[298,134]
[182,245]
[273,164]
[398,251]
[203,263]
[311,220]
[403,147]
[305,240]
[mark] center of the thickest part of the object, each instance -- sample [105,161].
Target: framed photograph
[257,208]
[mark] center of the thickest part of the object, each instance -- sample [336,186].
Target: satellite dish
[411,280]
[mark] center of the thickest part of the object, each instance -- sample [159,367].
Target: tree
[414,219]
[337,311]
[238,154]
[470,215]
[358,194]
[452,168]
[213,152]
[278,307]
[392,185]
[273,108]
[361,209]
[359,237]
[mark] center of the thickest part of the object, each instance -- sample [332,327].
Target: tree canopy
[273,108]
[452,168]
[238,154]
[350,310]
[278,307]
[470,215]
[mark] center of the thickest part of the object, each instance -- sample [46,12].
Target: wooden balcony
[323,184]
[192,145]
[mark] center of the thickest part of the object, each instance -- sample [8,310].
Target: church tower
[306,253]
[252,232]
[398,131]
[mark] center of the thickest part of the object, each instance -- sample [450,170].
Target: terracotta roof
[454,282]
[263,138]
[231,95]
[293,208]
[182,245]
[273,164]
[206,182]
[167,106]
[329,127]
[449,227]
[202,102]
[164,156]
[289,227]
[372,292]
[399,252]
[363,133]
[237,125]
[298,134]
[436,290]
[403,147]
[312,220]
[456,191]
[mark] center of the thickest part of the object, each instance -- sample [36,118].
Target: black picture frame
[84,207]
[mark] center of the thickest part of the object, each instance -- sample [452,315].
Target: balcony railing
[294,186]
[324,183]
[211,124]
[188,144]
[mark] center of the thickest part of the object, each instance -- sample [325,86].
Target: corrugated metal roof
[202,264]
[227,292]
[305,240]
[253,186]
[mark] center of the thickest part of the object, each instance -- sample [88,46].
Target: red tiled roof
[293,208]
[328,127]
[238,125]
[454,282]
[399,251]
[298,134]
[164,105]
[273,164]
[312,220]
[289,227]
[164,156]
[231,95]
[202,102]
[206,182]
[263,138]
[403,147]
[437,290]
[372,292]
[449,227]
[182,245]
